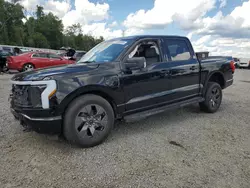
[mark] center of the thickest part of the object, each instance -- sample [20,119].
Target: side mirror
[135,63]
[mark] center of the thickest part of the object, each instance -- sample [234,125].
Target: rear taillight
[232,66]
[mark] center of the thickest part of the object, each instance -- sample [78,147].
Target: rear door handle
[193,68]
[165,72]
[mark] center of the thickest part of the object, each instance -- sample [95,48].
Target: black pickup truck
[120,79]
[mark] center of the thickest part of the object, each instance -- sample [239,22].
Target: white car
[244,63]
[236,62]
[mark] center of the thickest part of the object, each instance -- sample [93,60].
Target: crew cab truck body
[125,78]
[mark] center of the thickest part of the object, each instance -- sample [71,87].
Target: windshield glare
[107,51]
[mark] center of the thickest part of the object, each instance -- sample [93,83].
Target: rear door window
[40,55]
[43,55]
[178,50]
[35,55]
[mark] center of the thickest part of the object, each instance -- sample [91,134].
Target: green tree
[11,24]
[41,30]
[52,28]
[39,12]
[73,30]
[40,40]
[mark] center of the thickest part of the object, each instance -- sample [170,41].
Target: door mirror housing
[135,63]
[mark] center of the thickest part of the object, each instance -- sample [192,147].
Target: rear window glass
[24,54]
[80,54]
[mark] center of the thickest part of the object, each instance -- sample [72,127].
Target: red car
[34,60]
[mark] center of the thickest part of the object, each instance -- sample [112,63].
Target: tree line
[40,30]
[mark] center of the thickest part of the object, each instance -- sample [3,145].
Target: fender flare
[208,78]
[97,90]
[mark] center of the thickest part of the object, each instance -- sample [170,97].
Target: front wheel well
[218,78]
[99,93]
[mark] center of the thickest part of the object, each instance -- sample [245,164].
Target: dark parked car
[78,55]
[68,53]
[72,54]
[125,78]
[3,60]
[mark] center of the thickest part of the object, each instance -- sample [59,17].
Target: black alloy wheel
[213,98]
[91,120]
[88,120]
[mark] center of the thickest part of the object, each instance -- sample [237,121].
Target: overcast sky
[219,26]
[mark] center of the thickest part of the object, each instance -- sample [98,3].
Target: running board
[145,114]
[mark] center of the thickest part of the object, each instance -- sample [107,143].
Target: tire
[213,98]
[28,67]
[88,121]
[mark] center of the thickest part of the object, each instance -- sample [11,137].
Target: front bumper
[41,121]
[229,82]
[39,117]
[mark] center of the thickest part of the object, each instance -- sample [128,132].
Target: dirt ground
[214,152]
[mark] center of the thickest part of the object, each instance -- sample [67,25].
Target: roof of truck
[136,37]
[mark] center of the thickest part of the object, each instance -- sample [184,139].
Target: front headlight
[39,92]
[35,93]
[48,78]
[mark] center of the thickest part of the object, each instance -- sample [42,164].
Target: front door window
[149,50]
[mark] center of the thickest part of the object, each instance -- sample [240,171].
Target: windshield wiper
[86,62]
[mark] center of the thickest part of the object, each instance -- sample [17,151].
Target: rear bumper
[40,121]
[244,65]
[14,66]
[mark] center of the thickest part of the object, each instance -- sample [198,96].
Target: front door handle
[193,68]
[165,71]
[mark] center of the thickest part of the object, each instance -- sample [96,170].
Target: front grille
[20,96]
[26,96]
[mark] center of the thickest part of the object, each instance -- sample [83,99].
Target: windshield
[107,51]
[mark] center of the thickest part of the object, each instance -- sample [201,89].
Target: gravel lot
[215,149]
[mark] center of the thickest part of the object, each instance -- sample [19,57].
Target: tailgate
[218,59]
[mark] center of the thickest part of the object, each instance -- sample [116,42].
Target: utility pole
[123,33]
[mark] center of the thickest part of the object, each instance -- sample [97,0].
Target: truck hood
[40,74]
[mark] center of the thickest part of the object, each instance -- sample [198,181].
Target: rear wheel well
[218,78]
[30,64]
